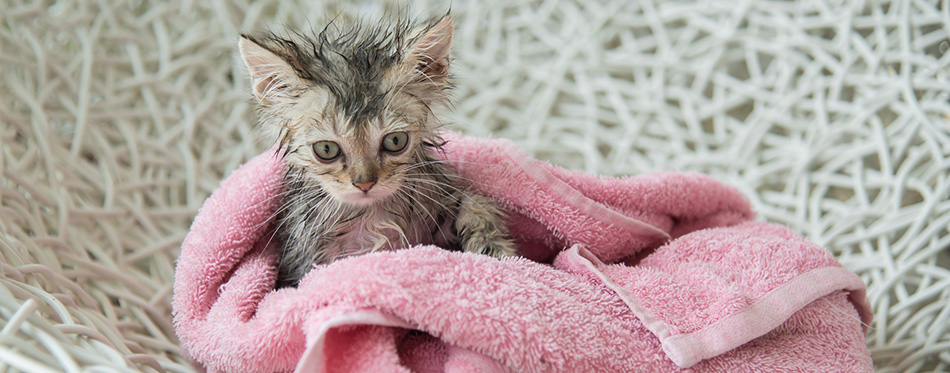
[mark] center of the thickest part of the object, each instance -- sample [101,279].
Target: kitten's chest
[381,229]
[374,230]
[322,230]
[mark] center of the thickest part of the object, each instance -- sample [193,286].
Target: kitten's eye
[395,142]
[326,150]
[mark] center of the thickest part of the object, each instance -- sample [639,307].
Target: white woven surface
[117,118]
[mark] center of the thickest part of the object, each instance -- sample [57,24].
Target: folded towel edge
[764,315]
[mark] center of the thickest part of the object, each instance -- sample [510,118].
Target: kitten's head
[352,107]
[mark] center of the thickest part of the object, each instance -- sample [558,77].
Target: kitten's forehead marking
[353,65]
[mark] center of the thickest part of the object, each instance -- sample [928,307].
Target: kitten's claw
[501,248]
[497,247]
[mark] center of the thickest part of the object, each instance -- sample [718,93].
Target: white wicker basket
[117,119]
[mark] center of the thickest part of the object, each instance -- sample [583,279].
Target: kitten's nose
[365,187]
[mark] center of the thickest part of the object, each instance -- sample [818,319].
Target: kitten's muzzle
[365,186]
[364,173]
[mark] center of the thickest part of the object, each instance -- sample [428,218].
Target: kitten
[352,111]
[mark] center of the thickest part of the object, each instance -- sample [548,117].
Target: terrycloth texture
[739,295]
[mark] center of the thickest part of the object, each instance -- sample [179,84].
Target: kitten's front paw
[499,247]
[482,229]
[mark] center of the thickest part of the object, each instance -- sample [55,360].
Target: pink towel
[649,273]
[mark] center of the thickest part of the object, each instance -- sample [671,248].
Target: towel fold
[656,272]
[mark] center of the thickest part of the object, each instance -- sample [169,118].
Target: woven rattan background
[117,119]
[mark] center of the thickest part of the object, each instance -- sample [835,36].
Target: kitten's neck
[316,228]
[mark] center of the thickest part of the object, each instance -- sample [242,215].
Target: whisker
[435,221]
[440,185]
[438,203]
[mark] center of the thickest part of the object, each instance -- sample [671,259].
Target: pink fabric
[649,273]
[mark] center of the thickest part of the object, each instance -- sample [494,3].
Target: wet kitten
[353,112]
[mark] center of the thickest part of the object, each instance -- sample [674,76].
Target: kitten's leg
[481,227]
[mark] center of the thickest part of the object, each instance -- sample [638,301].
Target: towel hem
[593,264]
[760,317]
[312,359]
[546,180]
[751,322]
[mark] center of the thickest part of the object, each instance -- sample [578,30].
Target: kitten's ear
[431,51]
[271,76]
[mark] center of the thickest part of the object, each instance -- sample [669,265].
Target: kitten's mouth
[362,198]
[366,198]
